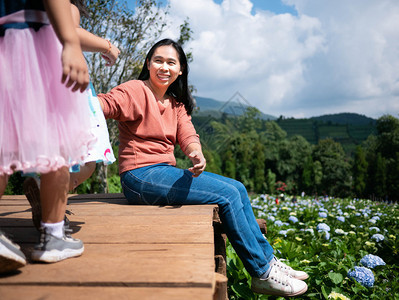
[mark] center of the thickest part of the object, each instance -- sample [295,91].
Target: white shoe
[278,284]
[11,256]
[301,275]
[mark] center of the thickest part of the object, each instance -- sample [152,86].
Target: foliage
[327,261]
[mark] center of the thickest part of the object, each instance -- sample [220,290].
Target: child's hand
[111,56]
[74,68]
[199,163]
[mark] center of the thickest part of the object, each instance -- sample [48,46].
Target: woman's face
[164,66]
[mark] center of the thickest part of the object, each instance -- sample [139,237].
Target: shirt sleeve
[186,133]
[120,102]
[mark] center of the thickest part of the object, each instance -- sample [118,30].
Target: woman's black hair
[179,88]
[80,4]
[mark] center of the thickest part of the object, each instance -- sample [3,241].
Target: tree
[271,181]
[133,32]
[336,170]
[359,171]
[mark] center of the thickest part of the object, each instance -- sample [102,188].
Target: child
[102,150]
[43,126]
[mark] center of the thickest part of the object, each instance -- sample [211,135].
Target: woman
[154,114]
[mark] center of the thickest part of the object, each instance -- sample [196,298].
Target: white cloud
[334,56]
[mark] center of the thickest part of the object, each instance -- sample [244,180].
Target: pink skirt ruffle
[43,124]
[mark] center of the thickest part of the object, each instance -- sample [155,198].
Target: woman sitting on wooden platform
[154,114]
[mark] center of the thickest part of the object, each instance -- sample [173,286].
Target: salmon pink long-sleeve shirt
[148,131]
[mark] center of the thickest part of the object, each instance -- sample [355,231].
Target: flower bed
[349,247]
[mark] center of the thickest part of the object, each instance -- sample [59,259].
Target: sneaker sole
[32,193]
[260,291]
[55,255]
[10,261]
[302,278]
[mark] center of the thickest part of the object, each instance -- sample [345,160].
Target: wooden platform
[131,252]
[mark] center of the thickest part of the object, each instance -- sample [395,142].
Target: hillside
[349,129]
[346,118]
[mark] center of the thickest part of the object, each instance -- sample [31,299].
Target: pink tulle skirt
[43,124]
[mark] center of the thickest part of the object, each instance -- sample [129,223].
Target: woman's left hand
[199,163]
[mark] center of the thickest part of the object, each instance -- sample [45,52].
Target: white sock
[55,229]
[267,273]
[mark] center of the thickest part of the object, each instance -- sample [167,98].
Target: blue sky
[275,6]
[296,58]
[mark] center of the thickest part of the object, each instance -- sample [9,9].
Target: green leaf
[242,290]
[325,294]
[336,277]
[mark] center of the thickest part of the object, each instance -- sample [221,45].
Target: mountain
[235,106]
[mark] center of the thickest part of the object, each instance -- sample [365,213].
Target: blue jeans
[162,184]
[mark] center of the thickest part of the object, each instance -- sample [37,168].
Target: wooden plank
[125,233]
[127,265]
[132,252]
[18,292]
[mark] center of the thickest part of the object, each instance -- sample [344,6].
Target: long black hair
[179,88]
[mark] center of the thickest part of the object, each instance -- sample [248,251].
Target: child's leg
[54,244]
[3,184]
[85,172]
[53,195]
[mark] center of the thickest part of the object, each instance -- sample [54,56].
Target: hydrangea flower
[371,261]
[341,219]
[340,231]
[283,232]
[293,219]
[377,237]
[323,227]
[310,230]
[373,221]
[322,215]
[271,218]
[362,275]
[374,228]
[278,223]
[337,296]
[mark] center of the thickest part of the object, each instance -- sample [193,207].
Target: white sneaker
[301,275]
[52,249]
[11,256]
[278,284]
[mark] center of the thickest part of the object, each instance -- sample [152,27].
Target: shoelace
[280,278]
[282,266]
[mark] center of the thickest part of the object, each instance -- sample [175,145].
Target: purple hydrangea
[323,227]
[341,219]
[322,215]
[371,261]
[293,219]
[362,275]
[377,237]
[278,223]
